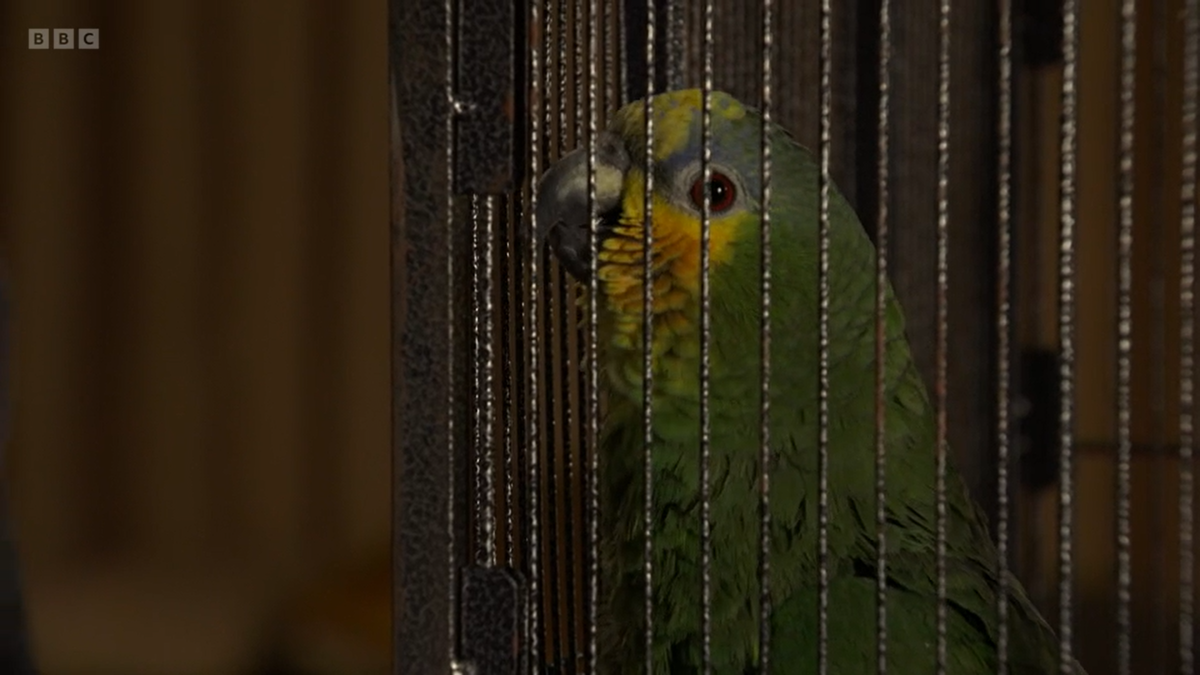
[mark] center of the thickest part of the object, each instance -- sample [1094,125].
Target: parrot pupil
[720,193]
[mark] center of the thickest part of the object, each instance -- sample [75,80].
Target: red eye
[721,193]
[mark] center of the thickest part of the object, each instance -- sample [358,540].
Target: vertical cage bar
[1004,311]
[624,43]
[452,528]
[563,57]
[764,564]
[1125,330]
[669,18]
[611,80]
[942,314]
[553,125]
[705,342]
[1066,330]
[881,276]
[823,188]
[451,399]
[577,38]
[676,53]
[533,433]
[593,367]
[552,430]
[509,298]
[648,347]
[1187,326]
[569,99]
[483,224]
[565,327]
[576,449]
[480,508]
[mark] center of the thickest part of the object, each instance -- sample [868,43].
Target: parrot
[564,223]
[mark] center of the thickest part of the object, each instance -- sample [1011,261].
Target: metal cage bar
[1124,329]
[882,241]
[942,322]
[1187,363]
[648,349]
[824,185]
[593,393]
[1004,313]
[764,504]
[706,174]
[533,448]
[1066,331]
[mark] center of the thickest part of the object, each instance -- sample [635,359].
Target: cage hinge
[485,103]
[492,616]
[1037,409]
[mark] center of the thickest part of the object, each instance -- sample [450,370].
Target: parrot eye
[721,193]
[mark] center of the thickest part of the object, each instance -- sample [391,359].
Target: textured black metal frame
[427,444]
[453,134]
[488,160]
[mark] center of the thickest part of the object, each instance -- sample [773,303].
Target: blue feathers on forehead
[735,134]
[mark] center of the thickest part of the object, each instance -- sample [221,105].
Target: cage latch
[492,614]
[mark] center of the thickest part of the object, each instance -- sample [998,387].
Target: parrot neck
[675,334]
[674,294]
[674,318]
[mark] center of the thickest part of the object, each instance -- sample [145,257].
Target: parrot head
[678,190]
[677,197]
[734,192]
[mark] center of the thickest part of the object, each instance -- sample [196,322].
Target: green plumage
[736,320]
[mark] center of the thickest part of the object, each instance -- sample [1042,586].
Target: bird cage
[1027,173]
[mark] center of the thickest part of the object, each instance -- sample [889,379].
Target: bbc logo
[63,38]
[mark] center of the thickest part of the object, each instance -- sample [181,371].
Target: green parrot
[972,577]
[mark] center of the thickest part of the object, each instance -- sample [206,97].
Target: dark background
[193,219]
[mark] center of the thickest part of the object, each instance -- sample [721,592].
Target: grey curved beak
[562,212]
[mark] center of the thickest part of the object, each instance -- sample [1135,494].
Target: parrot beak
[562,212]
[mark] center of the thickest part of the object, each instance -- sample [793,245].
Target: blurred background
[194,222]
